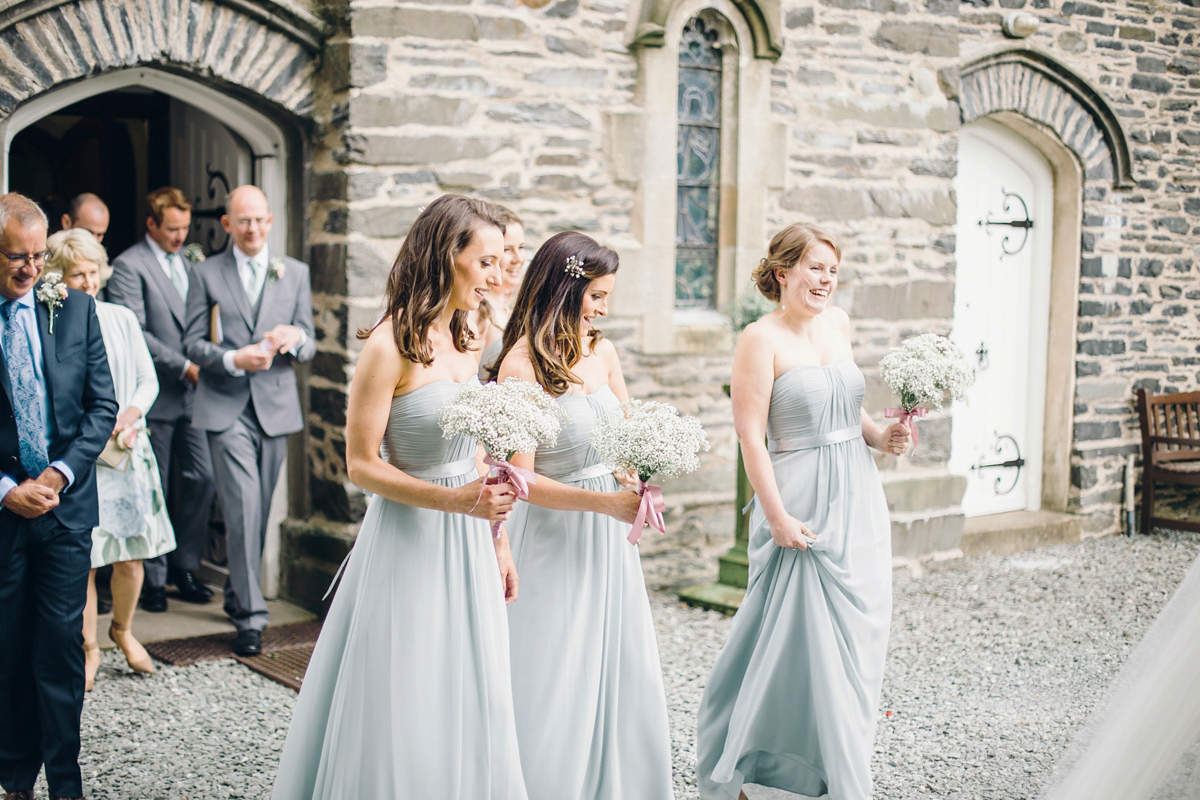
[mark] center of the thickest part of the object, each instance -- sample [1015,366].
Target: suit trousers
[185,468]
[246,462]
[43,584]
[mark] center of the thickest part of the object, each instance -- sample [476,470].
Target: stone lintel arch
[647,26]
[1031,83]
[254,47]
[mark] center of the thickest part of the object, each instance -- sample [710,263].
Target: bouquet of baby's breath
[922,371]
[511,417]
[651,439]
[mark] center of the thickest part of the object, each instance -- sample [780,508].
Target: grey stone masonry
[75,39]
[516,105]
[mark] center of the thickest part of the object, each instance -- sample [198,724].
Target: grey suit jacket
[139,283]
[221,397]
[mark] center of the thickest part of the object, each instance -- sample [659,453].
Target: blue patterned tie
[27,402]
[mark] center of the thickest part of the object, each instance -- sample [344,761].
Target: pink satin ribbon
[908,418]
[519,477]
[650,511]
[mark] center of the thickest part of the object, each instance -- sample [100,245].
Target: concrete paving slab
[182,620]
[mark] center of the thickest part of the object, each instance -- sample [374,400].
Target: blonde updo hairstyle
[73,246]
[788,248]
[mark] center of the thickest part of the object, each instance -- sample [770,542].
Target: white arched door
[1001,314]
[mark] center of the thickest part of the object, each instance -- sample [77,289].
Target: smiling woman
[792,699]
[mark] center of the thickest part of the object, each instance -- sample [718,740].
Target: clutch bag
[114,455]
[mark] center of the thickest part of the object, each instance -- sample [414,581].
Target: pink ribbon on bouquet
[650,511]
[908,418]
[519,477]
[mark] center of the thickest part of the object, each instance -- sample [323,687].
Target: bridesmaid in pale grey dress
[408,693]
[792,699]
[587,685]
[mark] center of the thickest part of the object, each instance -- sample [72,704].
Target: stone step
[913,492]
[1014,531]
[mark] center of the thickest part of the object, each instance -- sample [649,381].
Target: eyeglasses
[19,260]
[245,223]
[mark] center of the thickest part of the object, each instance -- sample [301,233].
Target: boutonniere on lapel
[194,253]
[276,268]
[52,292]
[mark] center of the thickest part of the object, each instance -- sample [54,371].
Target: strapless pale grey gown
[793,698]
[408,693]
[587,684]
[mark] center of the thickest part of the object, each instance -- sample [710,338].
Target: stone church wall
[524,107]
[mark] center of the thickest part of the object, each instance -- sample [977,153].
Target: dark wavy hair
[549,307]
[418,287]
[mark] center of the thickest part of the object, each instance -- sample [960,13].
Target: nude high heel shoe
[135,654]
[91,665]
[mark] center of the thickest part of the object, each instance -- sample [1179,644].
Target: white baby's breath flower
[923,369]
[510,417]
[650,438]
[52,292]
[194,253]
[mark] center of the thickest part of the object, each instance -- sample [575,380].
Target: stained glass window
[698,165]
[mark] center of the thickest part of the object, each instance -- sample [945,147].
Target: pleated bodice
[413,439]
[573,454]
[811,401]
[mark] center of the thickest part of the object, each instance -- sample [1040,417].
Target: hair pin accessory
[574,267]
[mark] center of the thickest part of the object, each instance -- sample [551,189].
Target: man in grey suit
[151,278]
[249,317]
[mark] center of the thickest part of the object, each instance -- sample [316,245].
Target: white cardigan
[134,380]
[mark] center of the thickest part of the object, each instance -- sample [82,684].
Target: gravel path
[994,664]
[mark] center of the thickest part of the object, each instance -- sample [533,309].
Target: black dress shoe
[248,643]
[190,589]
[154,599]
[24,794]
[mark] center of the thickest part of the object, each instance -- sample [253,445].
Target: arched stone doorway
[1056,118]
[229,86]
[175,132]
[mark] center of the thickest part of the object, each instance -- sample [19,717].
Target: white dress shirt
[247,266]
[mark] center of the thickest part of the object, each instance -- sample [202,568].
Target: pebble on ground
[993,666]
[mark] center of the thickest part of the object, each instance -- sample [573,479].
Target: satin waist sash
[594,471]
[817,440]
[440,472]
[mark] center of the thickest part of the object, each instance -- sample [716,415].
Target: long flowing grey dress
[793,697]
[587,684]
[408,692]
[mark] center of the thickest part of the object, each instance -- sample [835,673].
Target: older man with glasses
[57,411]
[249,318]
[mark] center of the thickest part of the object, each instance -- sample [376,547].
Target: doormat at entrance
[183,652]
[286,665]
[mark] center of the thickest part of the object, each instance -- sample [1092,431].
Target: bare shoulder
[607,351]
[380,346]
[838,316]
[517,364]
[762,333]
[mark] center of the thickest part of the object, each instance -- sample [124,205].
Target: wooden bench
[1170,449]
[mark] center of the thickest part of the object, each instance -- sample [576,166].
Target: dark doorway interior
[115,145]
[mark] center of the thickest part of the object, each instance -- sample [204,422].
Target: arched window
[703,156]
[698,164]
